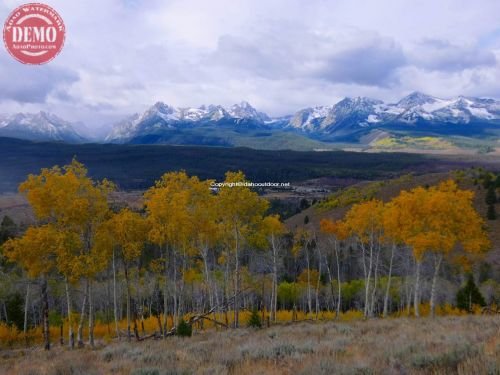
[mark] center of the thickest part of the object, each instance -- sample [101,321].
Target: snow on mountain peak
[416,98]
[346,115]
[41,126]
[244,110]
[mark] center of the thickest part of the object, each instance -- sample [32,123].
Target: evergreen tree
[8,229]
[469,295]
[491,197]
[491,214]
[254,320]
[487,180]
[14,309]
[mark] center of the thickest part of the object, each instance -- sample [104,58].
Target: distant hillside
[138,166]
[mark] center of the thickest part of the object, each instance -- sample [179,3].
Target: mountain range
[350,121]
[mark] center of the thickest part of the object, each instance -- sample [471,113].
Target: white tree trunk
[71,334]
[416,296]
[127,283]
[274,301]
[309,298]
[318,282]
[375,282]
[388,288]
[236,278]
[26,307]
[91,316]
[115,302]
[434,281]
[339,300]
[82,318]
[367,280]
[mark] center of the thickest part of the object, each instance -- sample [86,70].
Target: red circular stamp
[34,34]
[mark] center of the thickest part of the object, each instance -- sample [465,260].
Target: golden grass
[11,337]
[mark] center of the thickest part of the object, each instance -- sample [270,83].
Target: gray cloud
[442,55]
[370,60]
[372,64]
[31,84]
[257,57]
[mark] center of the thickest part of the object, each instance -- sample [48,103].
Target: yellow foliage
[241,212]
[351,315]
[9,335]
[437,220]
[364,220]
[72,205]
[36,251]
[125,231]
[336,228]
[312,276]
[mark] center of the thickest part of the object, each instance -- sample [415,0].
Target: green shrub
[254,320]
[184,329]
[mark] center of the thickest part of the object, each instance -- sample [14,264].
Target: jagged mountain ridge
[347,117]
[348,120]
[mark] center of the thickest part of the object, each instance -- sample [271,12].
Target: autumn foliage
[215,255]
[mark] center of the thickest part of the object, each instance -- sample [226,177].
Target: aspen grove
[208,257]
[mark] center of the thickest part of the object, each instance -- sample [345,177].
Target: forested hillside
[138,167]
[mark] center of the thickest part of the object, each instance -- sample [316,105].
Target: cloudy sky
[121,56]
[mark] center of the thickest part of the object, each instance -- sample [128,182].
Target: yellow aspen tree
[36,252]
[273,229]
[364,222]
[170,209]
[452,221]
[411,220]
[303,241]
[124,235]
[338,232]
[205,217]
[393,224]
[242,210]
[438,221]
[76,205]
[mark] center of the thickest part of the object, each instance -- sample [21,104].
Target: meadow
[443,345]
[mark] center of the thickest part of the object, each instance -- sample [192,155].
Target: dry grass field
[445,345]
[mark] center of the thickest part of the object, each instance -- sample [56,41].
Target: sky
[122,56]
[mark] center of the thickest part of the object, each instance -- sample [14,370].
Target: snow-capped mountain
[40,126]
[348,119]
[345,121]
[412,109]
[333,118]
[162,117]
[244,110]
[125,127]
